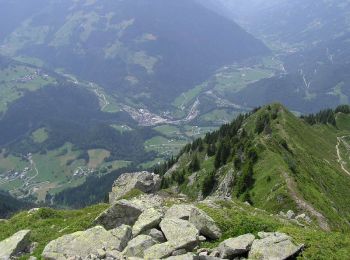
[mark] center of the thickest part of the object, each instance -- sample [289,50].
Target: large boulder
[148,219]
[205,224]
[137,246]
[121,212]
[123,234]
[233,247]
[84,243]
[277,246]
[144,181]
[160,251]
[181,211]
[180,232]
[15,245]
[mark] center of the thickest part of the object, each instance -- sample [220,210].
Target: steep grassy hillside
[275,161]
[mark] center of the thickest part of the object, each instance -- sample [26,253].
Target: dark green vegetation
[10,205]
[278,162]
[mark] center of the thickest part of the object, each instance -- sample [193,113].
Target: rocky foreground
[154,226]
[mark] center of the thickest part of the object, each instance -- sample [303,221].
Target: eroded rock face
[144,181]
[205,224]
[15,244]
[237,246]
[121,212]
[83,244]
[273,246]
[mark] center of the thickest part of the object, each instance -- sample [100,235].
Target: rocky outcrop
[233,247]
[273,246]
[205,224]
[156,234]
[15,245]
[144,181]
[148,219]
[121,212]
[85,243]
[180,211]
[137,246]
[180,232]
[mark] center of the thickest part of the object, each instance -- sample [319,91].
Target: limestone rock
[137,246]
[144,181]
[180,232]
[236,246]
[156,234]
[148,219]
[121,212]
[205,224]
[181,211]
[123,234]
[15,244]
[81,243]
[273,246]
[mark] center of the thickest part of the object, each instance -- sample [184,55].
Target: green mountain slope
[275,161]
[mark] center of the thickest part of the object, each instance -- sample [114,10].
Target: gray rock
[15,244]
[290,214]
[156,234]
[205,224]
[114,254]
[236,246]
[32,258]
[82,243]
[143,181]
[208,257]
[188,256]
[180,232]
[181,211]
[276,246]
[160,251]
[123,234]
[148,219]
[121,212]
[179,252]
[137,246]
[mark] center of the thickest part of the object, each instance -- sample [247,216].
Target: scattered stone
[205,224]
[138,245]
[82,243]
[32,258]
[290,214]
[202,238]
[121,212]
[188,256]
[144,181]
[160,251]
[148,219]
[180,232]
[179,252]
[114,254]
[3,221]
[181,211]
[32,247]
[34,210]
[273,246]
[208,257]
[156,234]
[236,246]
[123,234]
[14,245]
